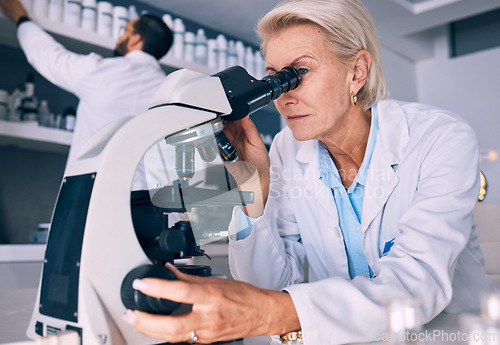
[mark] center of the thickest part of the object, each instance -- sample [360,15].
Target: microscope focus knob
[172,240]
[136,300]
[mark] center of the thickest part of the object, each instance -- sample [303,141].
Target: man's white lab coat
[108,88]
[421,187]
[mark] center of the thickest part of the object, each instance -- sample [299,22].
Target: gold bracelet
[291,338]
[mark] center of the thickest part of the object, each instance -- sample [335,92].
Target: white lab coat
[107,88]
[421,188]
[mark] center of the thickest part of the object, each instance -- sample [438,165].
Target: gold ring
[193,338]
[292,338]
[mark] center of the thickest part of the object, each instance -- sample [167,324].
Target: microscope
[103,236]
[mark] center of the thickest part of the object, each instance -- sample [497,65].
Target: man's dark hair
[156,37]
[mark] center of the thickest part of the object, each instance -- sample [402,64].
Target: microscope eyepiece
[247,94]
[282,81]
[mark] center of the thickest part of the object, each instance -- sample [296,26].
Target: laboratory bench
[20,267]
[20,270]
[16,307]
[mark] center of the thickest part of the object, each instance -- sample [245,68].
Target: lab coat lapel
[307,154]
[324,213]
[380,183]
[327,210]
[382,178]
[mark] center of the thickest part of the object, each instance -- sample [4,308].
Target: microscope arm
[92,244]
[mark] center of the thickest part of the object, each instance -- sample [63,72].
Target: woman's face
[317,108]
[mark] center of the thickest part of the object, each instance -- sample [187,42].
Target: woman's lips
[296,117]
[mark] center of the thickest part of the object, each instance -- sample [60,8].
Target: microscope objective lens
[184,161]
[226,149]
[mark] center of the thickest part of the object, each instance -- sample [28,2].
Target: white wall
[400,76]
[469,86]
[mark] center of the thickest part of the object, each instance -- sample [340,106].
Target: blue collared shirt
[350,202]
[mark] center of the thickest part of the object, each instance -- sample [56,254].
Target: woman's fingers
[233,130]
[251,130]
[222,309]
[175,290]
[164,327]
[242,133]
[205,294]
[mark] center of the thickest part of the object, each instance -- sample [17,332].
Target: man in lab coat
[107,88]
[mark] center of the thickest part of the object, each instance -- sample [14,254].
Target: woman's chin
[301,136]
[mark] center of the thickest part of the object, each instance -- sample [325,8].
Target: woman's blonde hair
[348,28]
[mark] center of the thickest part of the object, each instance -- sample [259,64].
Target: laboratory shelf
[78,40]
[16,253]
[33,137]
[82,41]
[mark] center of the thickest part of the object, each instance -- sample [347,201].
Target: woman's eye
[303,71]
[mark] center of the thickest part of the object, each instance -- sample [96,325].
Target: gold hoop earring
[354,99]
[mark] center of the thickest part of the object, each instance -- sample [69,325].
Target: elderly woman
[376,194]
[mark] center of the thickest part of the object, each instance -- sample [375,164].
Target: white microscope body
[92,244]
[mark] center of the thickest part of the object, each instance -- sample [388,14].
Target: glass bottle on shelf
[55,10]
[4,101]
[72,12]
[221,52]
[132,13]
[29,109]
[44,114]
[167,19]
[89,15]
[189,45]
[104,18]
[232,56]
[14,103]
[260,65]
[120,20]
[212,53]
[200,50]
[249,61]
[240,53]
[178,46]
[21,101]
[69,119]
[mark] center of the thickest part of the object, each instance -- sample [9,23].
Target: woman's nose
[287,99]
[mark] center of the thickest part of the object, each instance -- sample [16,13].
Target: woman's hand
[252,170]
[222,310]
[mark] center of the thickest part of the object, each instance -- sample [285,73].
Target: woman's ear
[362,64]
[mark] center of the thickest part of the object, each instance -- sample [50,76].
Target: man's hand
[13,9]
